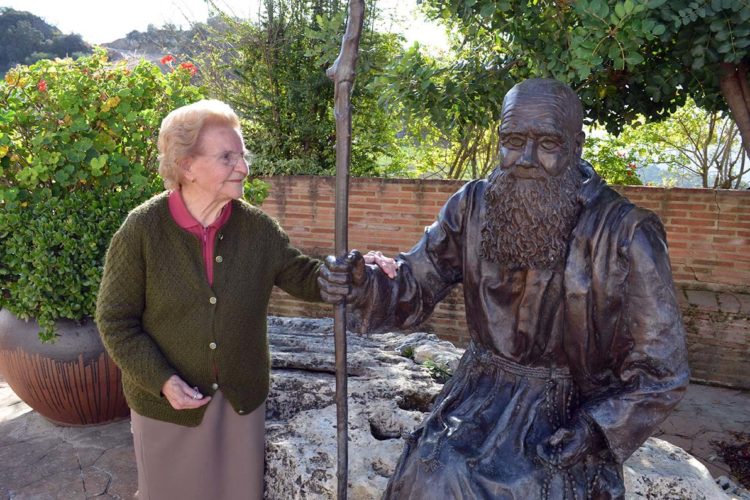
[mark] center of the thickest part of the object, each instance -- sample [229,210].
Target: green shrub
[77,152]
[613,159]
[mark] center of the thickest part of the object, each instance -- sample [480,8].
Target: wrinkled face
[536,138]
[218,168]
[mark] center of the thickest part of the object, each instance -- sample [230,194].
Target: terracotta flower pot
[71,381]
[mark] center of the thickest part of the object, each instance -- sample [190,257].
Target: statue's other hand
[341,279]
[569,445]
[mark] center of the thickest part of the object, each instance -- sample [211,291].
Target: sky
[102,21]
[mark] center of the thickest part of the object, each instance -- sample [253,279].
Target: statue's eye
[514,141]
[549,144]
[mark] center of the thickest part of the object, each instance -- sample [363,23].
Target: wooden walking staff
[342,73]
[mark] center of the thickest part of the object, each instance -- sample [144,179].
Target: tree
[450,105]
[615,159]
[273,73]
[26,38]
[626,58]
[692,142]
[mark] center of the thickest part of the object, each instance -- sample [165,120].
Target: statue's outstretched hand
[570,445]
[347,278]
[341,279]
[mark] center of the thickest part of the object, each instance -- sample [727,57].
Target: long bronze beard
[528,221]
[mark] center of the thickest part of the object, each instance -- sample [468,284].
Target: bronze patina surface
[577,347]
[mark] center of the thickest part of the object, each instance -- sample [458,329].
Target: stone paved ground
[707,416]
[39,460]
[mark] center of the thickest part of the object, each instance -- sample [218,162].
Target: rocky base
[389,394]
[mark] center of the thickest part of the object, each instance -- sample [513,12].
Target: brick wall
[708,233]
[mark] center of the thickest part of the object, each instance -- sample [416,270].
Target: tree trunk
[735,88]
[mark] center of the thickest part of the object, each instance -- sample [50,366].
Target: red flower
[169,58]
[629,172]
[189,67]
[42,86]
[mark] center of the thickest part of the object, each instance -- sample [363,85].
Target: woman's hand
[181,396]
[386,264]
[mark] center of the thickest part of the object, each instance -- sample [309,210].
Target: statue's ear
[579,142]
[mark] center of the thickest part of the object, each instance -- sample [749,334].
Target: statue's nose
[529,159]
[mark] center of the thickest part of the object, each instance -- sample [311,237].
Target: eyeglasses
[232,158]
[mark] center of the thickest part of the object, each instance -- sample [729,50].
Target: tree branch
[734,87]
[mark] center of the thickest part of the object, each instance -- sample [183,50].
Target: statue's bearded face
[531,201]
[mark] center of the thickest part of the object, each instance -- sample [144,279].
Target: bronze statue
[577,348]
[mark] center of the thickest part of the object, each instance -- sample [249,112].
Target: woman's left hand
[386,264]
[181,396]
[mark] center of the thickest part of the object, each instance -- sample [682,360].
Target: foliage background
[77,138]
[273,74]
[77,152]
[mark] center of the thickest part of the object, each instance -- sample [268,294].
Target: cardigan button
[212,345]
[219,259]
[214,386]
[212,300]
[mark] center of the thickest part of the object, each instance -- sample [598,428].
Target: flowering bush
[613,159]
[77,152]
[169,61]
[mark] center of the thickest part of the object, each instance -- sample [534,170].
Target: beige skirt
[221,459]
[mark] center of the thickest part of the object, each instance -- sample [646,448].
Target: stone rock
[734,490]
[389,395]
[423,347]
[659,469]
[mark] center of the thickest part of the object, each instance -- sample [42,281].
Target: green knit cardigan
[158,316]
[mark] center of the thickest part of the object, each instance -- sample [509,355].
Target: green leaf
[597,5]
[634,59]
[487,10]
[614,51]
[97,165]
[620,10]
[62,178]
[718,25]
[659,29]
[629,6]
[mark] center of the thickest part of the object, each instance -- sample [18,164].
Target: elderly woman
[182,311]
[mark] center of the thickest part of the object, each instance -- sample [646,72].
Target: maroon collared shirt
[206,235]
